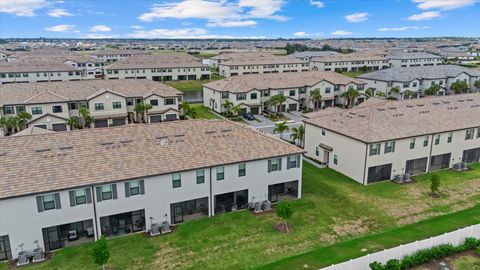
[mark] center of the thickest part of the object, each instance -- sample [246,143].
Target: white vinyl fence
[455,238]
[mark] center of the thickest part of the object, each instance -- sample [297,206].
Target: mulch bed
[281,227]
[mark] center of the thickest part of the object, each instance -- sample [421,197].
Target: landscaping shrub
[427,255]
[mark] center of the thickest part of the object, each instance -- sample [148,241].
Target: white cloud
[217,11]
[443,4]
[100,28]
[227,23]
[403,28]
[305,34]
[98,36]
[357,17]
[317,4]
[61,28]
[341,33]
[425,16]
[21,7]
[198,33]
[136,27]
[59,12]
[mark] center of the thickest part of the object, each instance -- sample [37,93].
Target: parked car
[249,117]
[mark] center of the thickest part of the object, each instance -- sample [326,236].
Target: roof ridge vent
[42,149]
[65,146]
[179,135]
[226,130]
[210,131]
[126,140]
[106,143]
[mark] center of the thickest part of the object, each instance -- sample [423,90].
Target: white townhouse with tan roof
[261,64]
[350,62]
[414,59]
[121,180]
[30,72]
[159,67]
[252,91]
[110,102]
[115,55]
[382,140]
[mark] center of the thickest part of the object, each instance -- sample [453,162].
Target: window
[57,109]
[450,137]
[293,162]
[220,173]
[478,132]
[154,102]
[36,110]
[116,105]
[129,101]
[437,139]
[274,165]
[469,134]
[200,176]
[176,180]
[291,93]
[73,106]
[374,149]
[107,193]
[242,169]
[80,196]
[48,202]
[328,90]
[224,95]
[134,187]
[253,96]
[20,108]
[390,147]
[412,143]
[169,101]
[425,141]
[99,107]
[8,109]
[317,151]
[241,96]
[323,132]
[335,159]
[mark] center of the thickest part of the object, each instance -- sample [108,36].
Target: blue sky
[238,18]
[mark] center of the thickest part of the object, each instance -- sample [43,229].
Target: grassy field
[196,85]
[203,112]
[354,74]
[335,219]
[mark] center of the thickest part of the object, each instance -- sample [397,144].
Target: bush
[393,265]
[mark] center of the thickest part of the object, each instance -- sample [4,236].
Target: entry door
[5,252]
[54,241]
[326,157]
[177,212]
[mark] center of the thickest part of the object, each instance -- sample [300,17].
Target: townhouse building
[414,59]
[350,62]
[252,92]
[308,55]
[261,64]
[110,102]
[127,179]
[418,79]
[159,67]
[91,67]
[115,55]
[30,72]
[226,56]
[382,140]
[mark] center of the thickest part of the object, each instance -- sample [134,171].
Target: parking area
[264,124]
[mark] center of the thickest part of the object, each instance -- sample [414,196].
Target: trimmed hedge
[427,255]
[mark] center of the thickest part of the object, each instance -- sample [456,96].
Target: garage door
[242,111]
[170,117]
[118,121]
[292,107]
[101,123]
[255,110]
[155,118]
[59,127]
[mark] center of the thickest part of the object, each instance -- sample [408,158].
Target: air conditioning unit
[155,229]
[258,207]
[23,258]
[166,227]
[267,205]
[38,255]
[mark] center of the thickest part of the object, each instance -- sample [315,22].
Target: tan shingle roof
[191,144]
[263,60]
[388,120]
[163,60]
[49,92]
[245,83]
[43,66]
[349,57]
[33,130]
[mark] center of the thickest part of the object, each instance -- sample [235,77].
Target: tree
[187,110]
[395,91]
[99,252]
[281,127]
[228,105]
[147,107]
[407,93]
[368,93]
[85,116]
[139,110]
[236,109]
[434,183]
[380,94]
[477,85]
[351,94]
[73,122]
[276,102]
[23,118]
[284,211]
[459,87]
[316,98]
[432,90]
[10,124]
[298,134]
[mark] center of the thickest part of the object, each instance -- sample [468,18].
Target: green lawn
[196,85]
[335,219]
[354,74]
[203,112]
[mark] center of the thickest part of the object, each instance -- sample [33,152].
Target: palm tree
[236,109]
[368,93]
[380,94]
[316,98]
[85,116]
[395,91]
[477,85]
[73,122]
[351,94]
[139,110]
[407,93]
[147,107]
[23,118]
[10,124]
[227,105]
[459,87]
[432,90]
[276,102]
[298,134]
[280,127]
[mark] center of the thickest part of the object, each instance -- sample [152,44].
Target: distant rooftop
[408,74]
[161,60]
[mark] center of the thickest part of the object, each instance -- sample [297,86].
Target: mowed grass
[196,85]
[203,112]
[354,74]
[335,219]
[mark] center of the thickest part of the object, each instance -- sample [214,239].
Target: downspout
[429,160]
[211,193]
[365,164]
[94,201]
